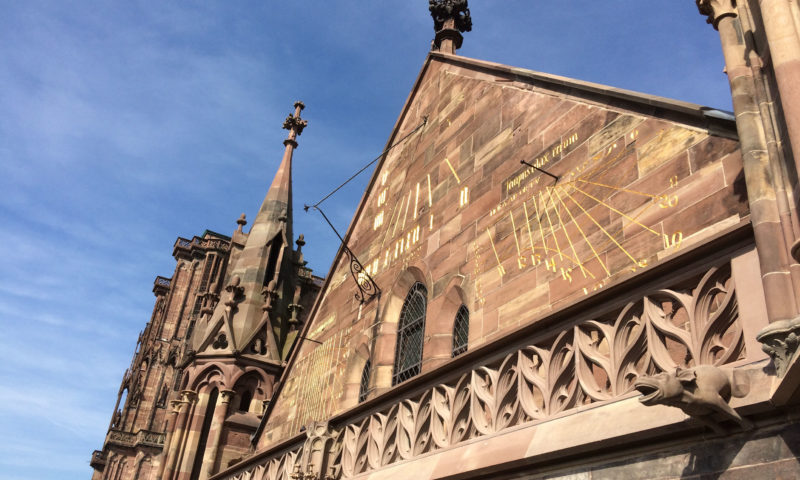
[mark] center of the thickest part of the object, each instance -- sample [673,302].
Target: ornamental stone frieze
[594,360]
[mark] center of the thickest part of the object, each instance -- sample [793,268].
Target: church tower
[244,334]
[221,330]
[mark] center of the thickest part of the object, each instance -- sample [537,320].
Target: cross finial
[295,124]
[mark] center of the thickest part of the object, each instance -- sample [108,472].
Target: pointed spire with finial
[263,252]
[450,18]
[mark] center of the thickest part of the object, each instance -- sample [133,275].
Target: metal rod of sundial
[539,169]
[306,207]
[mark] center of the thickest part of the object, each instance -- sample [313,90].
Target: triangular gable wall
[640,179]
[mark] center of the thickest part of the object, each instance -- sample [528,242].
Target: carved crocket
[700,392]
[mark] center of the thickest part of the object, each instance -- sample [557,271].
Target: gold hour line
[642,212]
[528,223]
[552,230]
[397,220]
[584,237]
[617,211]
[539,220]
[416,202]
[514,229]
[619,189]
[550,192]
[494,249]
[405,214]
[430,194]
[453,170]
[391,220]
[603,229]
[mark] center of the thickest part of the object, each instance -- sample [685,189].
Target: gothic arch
[208,378]
[386,340]
[355,367]
[441,320]
[144,467]
[249,387]
[241,372]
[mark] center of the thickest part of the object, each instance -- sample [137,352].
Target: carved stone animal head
[665,388]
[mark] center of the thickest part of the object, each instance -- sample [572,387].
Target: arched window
[461,331]
[410,331]
[364,388]
[245,399]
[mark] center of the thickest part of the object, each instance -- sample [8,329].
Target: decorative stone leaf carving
[561,374]
[593,365]
[533,388]
[716,309]
[440,415]
[630,355]
[663,336]
[407,411]
[495,403]
[461,427]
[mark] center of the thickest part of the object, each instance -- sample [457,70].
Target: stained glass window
[364,389]
[461,331]
[410,332]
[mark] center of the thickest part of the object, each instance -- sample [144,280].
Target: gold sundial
[580,216]
[587,225]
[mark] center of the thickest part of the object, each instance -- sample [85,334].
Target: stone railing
[151,439]
[125,439]
[211,243]
[592,360]
[142,437]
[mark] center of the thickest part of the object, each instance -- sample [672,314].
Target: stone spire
[256,272]
[450,18]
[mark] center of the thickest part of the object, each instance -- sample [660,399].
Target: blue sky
[126,124]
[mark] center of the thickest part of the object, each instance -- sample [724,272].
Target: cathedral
[544,278]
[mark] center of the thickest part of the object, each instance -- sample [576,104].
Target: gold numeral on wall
[566,274]
[667,201]
[673,181]
[673,241]
[550,264]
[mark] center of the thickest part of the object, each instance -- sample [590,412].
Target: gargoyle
[700,392]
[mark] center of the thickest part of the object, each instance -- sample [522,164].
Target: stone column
[763,178]
[215,433]
[759,170]
[448,38]
[169,429]
[784,47]
[192,434]
[185,404]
